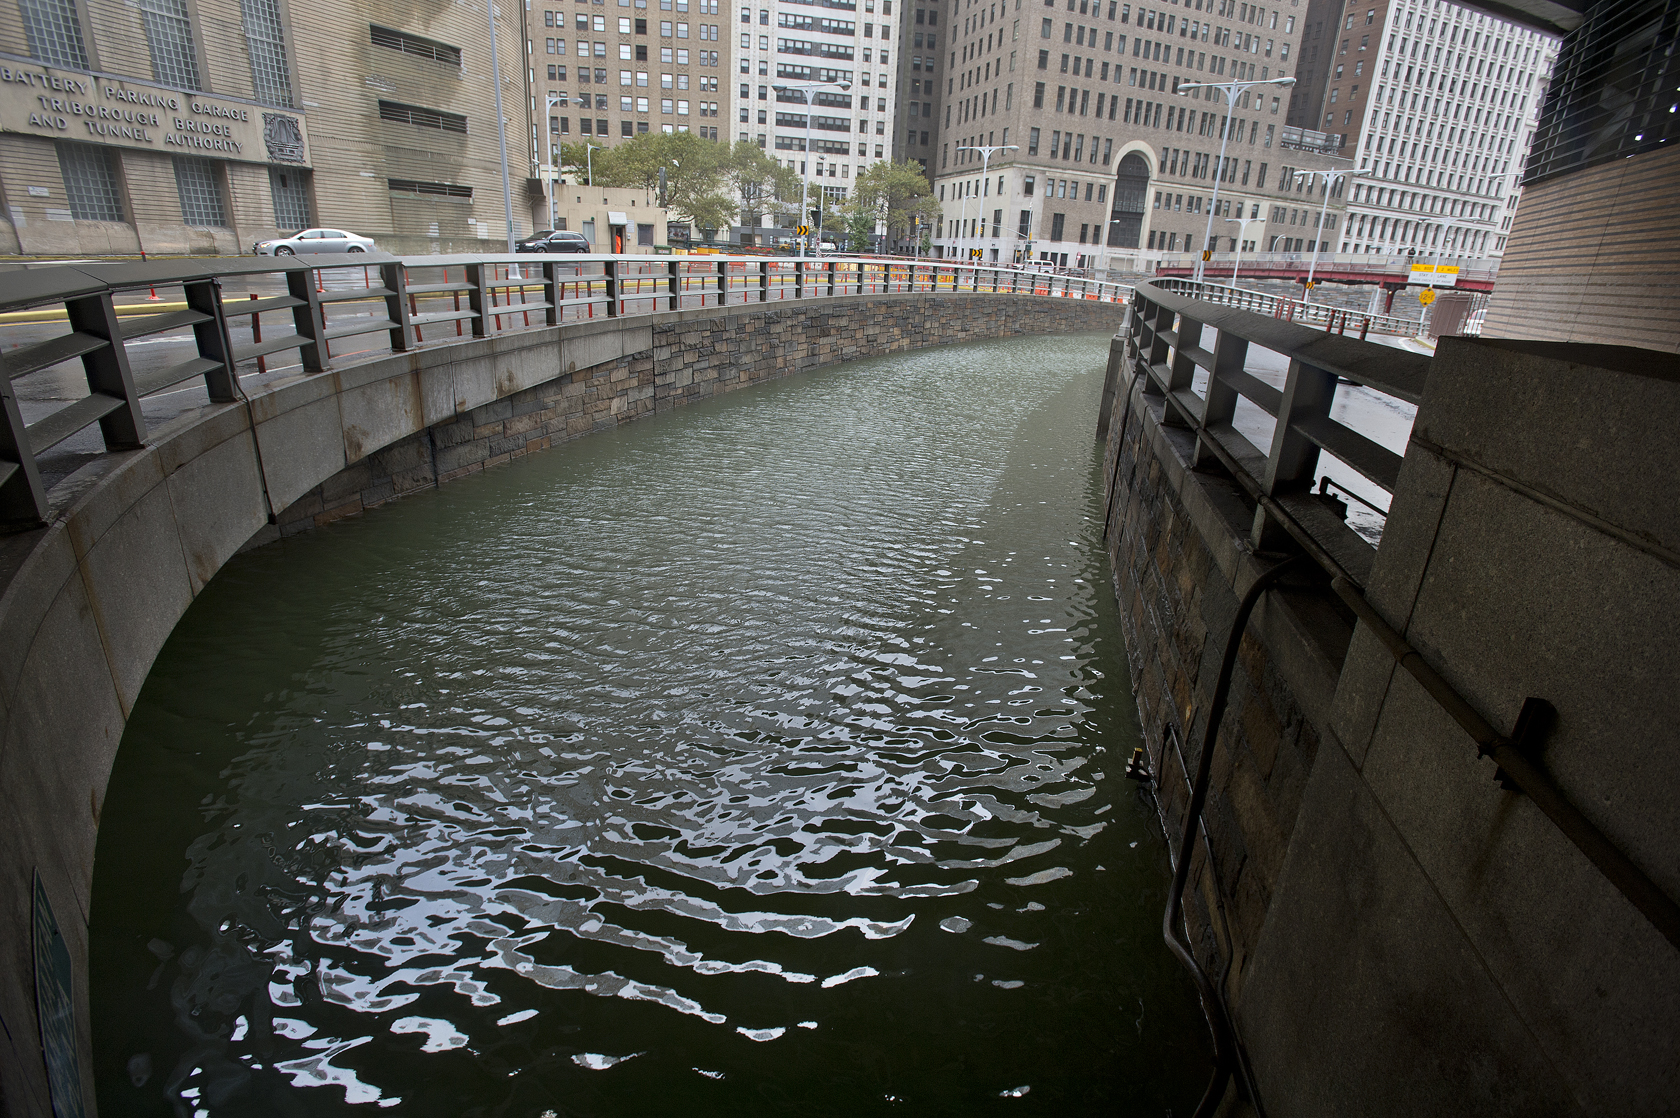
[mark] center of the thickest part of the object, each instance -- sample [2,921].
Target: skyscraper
[834,70]
[1117,148]
[1438,104]
[607,72]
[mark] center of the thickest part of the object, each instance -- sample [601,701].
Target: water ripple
[677,750]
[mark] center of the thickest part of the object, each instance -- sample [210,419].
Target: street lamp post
[808,88]
[1245,222]
[548,162]
[501,122]
[1331,178]
[1232,90]
[985,151]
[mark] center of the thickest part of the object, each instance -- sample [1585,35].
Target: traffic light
[816,216]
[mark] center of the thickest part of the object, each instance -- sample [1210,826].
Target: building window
[197,185]
[265,40]
[90,182]
[291,198]
[422,117]
[1057,221]
[427,48]
[1032,142]
[55,35]
[168,34]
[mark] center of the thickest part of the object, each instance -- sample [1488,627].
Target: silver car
[314,240]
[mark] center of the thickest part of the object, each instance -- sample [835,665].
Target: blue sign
[56,1009]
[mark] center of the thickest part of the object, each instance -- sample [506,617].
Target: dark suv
[550,240]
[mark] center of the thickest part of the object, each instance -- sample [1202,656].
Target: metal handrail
[1337,319]
[1168,350]
[397,302]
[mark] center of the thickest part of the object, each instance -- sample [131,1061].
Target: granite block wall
[694,355]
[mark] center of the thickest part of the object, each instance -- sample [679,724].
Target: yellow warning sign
[1426,296]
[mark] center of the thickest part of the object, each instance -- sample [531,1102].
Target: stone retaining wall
[1176,542]
[1393,930]
[694,355]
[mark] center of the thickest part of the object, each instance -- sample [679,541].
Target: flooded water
[762,758]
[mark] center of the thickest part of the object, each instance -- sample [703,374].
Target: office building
[1112,165]
[607,70]
[166,126]
[1438,105]
[826,134]
[920,92]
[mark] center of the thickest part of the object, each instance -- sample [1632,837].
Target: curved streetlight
[1232,91]
[805,178]
[985,151]
[1245,222]
[1331,178]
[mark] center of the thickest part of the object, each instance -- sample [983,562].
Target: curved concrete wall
[86,603]
[1397,933]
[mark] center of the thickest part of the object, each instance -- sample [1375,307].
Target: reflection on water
[763,758]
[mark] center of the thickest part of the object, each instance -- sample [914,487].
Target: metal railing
[302,314]
[1338,320]
[1169,351]
[1329,264]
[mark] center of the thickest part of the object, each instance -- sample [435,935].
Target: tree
[694,173]
[758,181]
[892,194]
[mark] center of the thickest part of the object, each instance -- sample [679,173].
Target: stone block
[300,449]
[139,587]
[1362,991]
[218,503]
[1572,422]
[379,413]
[450,459]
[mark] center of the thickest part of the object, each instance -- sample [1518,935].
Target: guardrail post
[611,272]
[798,279]
[764,281]
[831,267]
[676,284]
[1181,375]
[1230,355]
[214,344]
[551,292]
[23,499]
[722,283]
[1157,318]
[1293,459]
[307,319]
[394,277]
[107,369]
[477,301]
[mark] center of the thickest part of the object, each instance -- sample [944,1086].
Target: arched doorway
[1131,198]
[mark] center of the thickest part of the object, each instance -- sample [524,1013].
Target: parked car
[314,240]
[555,240]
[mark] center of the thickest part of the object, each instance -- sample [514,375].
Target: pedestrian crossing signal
[1207,254]
[803,230]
